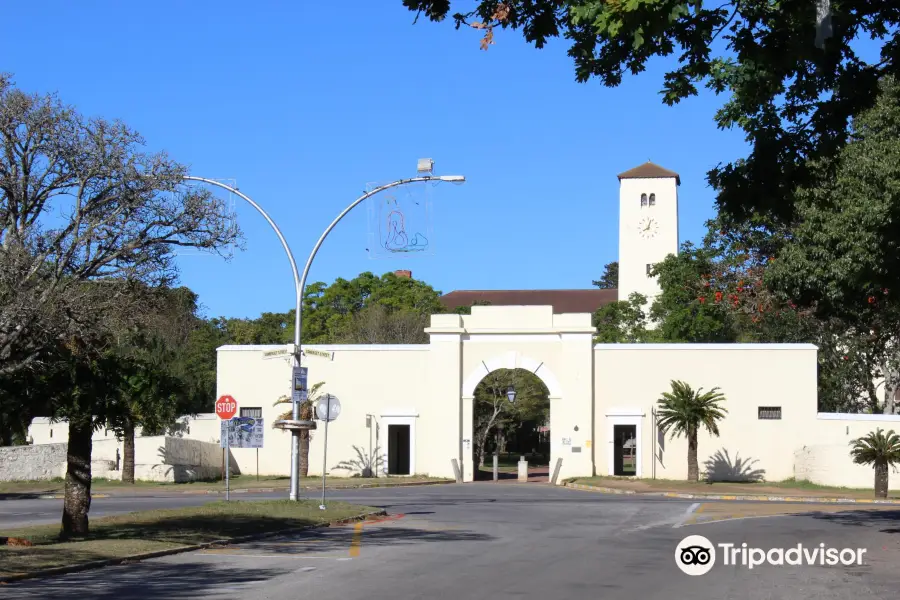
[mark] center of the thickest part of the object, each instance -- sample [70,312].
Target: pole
[227,459]
[298,291]
[325,448]
[496,474]
[301,285]
[257,464]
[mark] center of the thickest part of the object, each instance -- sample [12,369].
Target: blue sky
[303,104]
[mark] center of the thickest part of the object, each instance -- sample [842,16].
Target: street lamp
[425,165]
[511,393]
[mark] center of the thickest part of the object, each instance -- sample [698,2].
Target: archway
[511,419]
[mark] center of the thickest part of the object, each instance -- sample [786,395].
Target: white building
[413,404]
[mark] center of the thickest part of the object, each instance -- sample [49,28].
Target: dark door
[398,450]
[624,450]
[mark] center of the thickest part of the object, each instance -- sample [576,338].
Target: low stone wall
[157,458]
[33,463]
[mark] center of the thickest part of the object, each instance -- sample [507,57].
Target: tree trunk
[128,458]
[693,469]
[881,479]
[77,501]
[304,453]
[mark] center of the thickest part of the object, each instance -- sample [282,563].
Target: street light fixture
[425,166]
[511,393]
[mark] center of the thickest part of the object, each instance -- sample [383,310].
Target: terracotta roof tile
[562,301]
[649,170]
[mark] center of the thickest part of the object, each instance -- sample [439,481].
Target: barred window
[253,413]
[770,412]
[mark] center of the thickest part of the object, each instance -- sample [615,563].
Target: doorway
[625,450]
[398,450]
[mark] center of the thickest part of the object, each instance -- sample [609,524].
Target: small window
[51,432]
[770,413]
[652,199]
[649,268]
[253,413]
[643,199]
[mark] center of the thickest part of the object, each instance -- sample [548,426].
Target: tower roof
[649,170]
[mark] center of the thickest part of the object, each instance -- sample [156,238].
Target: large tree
[610,278]
[85,214]
[793,78]
[80,200]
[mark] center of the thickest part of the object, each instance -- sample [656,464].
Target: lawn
[788,487]
[151,531]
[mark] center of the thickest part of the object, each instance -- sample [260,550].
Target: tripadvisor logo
[696,555]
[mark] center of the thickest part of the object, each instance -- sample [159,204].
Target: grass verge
[788,487]
[151,531]
[238,482]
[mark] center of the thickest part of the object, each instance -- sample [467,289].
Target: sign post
[327,409]
[226,407]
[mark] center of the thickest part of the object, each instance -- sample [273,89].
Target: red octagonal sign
[226,407]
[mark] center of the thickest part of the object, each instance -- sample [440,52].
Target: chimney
[402,273]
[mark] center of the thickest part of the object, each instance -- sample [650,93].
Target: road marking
[272,555]
[356,542]
[687,515]
[729,518]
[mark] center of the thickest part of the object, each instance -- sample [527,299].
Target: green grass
[149,531]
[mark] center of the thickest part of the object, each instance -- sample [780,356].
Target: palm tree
[684,411]
[306,414]
[879,449]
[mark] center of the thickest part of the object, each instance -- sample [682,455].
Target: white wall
[32,463]
[630,378]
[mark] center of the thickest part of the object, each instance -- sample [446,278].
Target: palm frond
[876,447]
[683,410]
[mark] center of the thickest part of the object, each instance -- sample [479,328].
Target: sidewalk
[756,492]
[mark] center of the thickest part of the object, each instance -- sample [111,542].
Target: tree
[122,211]
[792,83]
[684,411]
[623,322]
[84,209]
[378,324]
[880,450]
[610,278]
[307,413]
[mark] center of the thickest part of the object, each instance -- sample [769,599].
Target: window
[643,199]
[253,413]
[652,199]
[649,267]
[770,413]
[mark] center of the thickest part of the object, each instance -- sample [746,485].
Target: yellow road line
[356,542]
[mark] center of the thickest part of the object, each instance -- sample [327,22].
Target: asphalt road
[478,541]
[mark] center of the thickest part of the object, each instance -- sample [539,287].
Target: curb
[284,489]
[751,498]
[97,564]
[63,496]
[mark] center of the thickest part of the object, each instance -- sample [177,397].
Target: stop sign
[226,407]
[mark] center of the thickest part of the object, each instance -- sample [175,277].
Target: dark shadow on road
[27,495]
[145,580]
[888,520]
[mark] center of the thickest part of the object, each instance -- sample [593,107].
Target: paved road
[479,541]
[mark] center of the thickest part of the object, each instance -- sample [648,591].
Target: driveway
[478,541]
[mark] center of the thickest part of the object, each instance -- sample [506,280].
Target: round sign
[226,407]
[328,408]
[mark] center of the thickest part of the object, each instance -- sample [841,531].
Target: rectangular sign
[321,353]
[242,432]
[299,390]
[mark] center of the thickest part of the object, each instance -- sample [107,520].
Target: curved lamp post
[295,426]
[424,165]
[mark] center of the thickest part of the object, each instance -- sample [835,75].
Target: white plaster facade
[592,389]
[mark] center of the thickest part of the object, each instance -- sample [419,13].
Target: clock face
[648,228]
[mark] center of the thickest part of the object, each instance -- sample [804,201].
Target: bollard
[496,460]
[523,469]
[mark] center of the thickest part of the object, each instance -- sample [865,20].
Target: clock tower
[648,226]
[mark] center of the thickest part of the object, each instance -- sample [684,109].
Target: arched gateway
[408,409]
[555,347]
